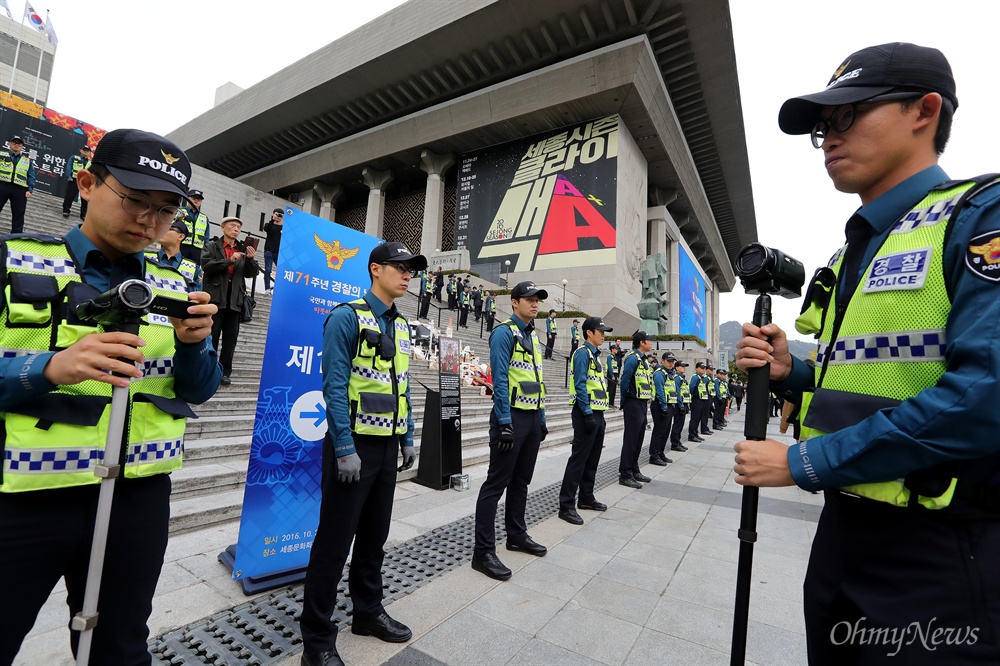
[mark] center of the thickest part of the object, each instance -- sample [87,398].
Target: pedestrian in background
[272,245]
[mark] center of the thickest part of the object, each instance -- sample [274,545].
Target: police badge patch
[983,256]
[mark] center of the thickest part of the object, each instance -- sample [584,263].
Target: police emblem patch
[983,256]
[894,272]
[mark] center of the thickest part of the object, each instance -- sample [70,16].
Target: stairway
[209,489]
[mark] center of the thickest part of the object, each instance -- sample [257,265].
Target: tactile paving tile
[262,631]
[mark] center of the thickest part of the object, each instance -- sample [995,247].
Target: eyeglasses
[844,116]
[137,204]
[401,267]
[382,342]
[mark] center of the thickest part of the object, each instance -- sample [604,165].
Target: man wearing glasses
[56,384]
[366,347]
[226,264]
[899,425]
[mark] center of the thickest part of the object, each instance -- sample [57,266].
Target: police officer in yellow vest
[197,223]
[55,390]
[721,398]
[17,181]
[681,406]
[366,348]
[661,408]
[590,400]
[169,255]
[699,402]
[517,428]
[75,165]
[637,390]
[899,418]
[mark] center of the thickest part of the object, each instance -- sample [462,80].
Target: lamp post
[506,264]
[564,283]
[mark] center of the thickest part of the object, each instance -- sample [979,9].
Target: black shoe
[658,462]
[717,427]
[383,628]
[324,658]
[681,448]
[592,505]
[65,214]
[629,481]
[571,516]
[491,565]
[641,477]
[707,432]
[225,381]
[529,546]
[666,459]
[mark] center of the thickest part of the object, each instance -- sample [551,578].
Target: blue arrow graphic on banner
[318,416]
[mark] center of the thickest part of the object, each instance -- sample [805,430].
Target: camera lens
[751,260]
[135,294]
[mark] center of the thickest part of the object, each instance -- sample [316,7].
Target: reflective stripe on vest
[376,391]
[722,391]
[78,164]
[891,341]
[9,173]
[702,387]
[685,391]
[199,233]
[597,391]
[526,388]
[43,452]
[669,387]
[642,381]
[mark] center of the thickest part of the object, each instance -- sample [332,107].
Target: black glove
[545,432]
[506,442]
[589,423]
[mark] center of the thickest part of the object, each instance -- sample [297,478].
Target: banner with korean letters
[321,264]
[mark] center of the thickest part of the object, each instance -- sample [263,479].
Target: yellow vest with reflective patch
[669,387]
[55,440]
[891,341]
[597,390]
[198,232]
[643,378]
[723,390]
[685,391]
[526,387]
[702,387]
[9,173]
[376,392]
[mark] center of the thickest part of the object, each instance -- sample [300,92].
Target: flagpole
[17,52]
[41,56]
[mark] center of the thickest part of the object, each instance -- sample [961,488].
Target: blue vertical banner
[692,293]
[321,264]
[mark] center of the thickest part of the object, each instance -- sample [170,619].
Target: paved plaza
[650,581]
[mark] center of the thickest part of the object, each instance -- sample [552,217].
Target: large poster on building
[692,287]
[547,201]
[320,265]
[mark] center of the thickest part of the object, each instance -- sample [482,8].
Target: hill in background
[731,331]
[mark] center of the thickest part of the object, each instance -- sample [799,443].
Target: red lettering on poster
[570,218]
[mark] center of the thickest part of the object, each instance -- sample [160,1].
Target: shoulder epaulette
[41,238]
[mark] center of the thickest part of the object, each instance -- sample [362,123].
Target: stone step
[207,478]
[232,449]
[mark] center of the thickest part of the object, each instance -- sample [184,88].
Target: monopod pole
[758,402]
[86,619]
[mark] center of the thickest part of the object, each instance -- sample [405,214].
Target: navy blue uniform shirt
[581,363]
[956,419]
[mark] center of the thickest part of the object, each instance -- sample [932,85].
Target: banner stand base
[254,584]
[429,484]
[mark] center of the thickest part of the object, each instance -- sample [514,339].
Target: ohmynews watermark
[930,636]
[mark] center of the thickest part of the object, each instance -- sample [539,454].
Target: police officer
[574,336]
[611,373]
[426,291]
[491,310]
[637,390]
[366,347]
[197,223]
[74,166]
[551,331]
[699,401]
[452,292]
[517,427]
[477,302]
[590,400]
[903,444]
[170,255]
[55,394]
[465,303]
[661,409]
[721,399]
[17,181]
[709,412]
[681,406]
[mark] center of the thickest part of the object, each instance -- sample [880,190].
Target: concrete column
[655,216]
[328,195]
[378,181]
[674,287]
[436,166]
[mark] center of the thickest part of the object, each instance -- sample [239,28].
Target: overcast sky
[156,64]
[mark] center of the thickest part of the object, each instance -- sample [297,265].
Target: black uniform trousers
[612,389]
[877,567]
[425,305]
[550,342]
[719,413]
[47,536]
[581,468]
[635,431]
[678,426]
[706,412]
[698,409]
[661,430]
[490,318]
[72,190]
[360,512]
[18,203]
[511,472]
[463,320]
